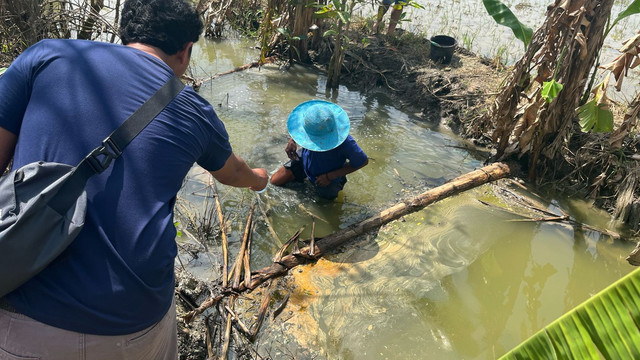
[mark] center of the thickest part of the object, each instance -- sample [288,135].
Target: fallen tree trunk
[244,67]
[462,183]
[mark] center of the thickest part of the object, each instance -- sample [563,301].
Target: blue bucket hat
[318,125]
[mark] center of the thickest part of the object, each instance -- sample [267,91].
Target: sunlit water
[457,280]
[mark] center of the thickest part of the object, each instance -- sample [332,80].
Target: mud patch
[453,95]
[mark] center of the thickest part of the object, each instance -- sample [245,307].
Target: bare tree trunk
[462,183]
[303,19]
[335,63]
[565,48]
[116,21]
[86,31]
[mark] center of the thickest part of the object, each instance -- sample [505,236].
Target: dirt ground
[451,95]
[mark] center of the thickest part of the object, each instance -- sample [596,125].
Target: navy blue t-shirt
[321,162]
[62,98]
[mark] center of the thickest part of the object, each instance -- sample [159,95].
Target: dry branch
[225,241]
[262,312]
[242,68]
[563,219]
[267,221]
[239,264]
[227,333]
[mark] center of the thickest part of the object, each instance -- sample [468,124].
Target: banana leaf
[504,16]
[605,326]
[633,8]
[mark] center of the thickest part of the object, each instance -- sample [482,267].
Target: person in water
[327,154]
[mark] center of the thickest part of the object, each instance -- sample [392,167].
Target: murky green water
[457,280]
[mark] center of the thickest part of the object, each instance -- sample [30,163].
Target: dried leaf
[531,112]
[525,140]
[583,45]
[519,128]
[600,91]
[619,82]
[630,119]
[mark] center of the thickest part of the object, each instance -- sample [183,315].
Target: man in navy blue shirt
[110,294]
[328,152]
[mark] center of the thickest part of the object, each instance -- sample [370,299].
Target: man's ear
[184,54]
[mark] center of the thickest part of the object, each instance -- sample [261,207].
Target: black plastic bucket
[442,47]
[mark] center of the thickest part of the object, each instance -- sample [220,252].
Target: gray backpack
[43,204]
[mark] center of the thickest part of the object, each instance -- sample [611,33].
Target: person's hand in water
[292,150]
[323,180]
[263,179]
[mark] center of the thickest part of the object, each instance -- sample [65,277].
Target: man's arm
[325,179]
[237,173]
[7,146]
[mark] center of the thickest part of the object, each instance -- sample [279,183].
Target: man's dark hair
[166,24]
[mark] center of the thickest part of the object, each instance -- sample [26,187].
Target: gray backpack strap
[100,158]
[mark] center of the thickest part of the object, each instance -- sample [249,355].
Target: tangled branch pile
[25,22]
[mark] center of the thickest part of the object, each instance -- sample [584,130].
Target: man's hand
[323,180]
[291,150]
[237,173]
[263,179]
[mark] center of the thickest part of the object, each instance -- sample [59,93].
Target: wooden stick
[564,220]
[262,312]
[284,247]
[462,183]
[281,306]
[268,222]
[242,68]
[225,241]
[247,258]
[211,301]
[311,214]
[239,322]
[227,333]
[243,248]
[207,334]
[544,219]
[312,244]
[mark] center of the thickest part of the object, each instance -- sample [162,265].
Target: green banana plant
[633,8]
[504,16]
[607,326]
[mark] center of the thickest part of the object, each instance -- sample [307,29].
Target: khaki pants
[24,338]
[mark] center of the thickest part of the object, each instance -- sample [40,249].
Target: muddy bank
[452,95]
